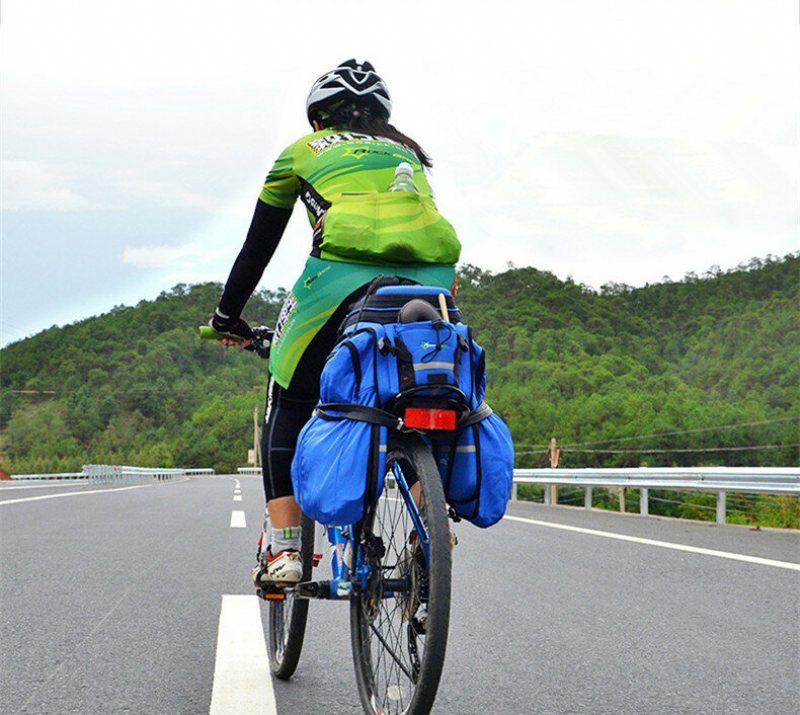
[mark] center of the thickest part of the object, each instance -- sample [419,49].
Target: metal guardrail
[107,473]
[249,470]
[762,480]
[57,475]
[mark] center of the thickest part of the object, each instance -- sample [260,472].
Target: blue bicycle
[394,568]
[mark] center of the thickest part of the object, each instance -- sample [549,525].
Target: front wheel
[399,623]
[287,617]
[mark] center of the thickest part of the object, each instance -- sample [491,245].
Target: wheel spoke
[388,650]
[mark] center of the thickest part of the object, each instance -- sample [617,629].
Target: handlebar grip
[208,333]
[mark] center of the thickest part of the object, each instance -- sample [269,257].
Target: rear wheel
[399,623]
[287,617]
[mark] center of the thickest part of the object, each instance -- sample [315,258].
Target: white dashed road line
[238,520]
[661,544]
[242,681]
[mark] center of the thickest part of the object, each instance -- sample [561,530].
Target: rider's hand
[238,330]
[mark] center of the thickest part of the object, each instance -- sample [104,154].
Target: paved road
[111,604]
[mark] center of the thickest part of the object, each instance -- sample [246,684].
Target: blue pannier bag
[477,470]
[337,464]
[378,366]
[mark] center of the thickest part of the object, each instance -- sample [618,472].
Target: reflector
[423,418]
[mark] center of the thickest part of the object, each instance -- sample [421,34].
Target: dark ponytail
[363,119]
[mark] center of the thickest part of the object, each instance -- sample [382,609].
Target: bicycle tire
[287,618]
[398,668]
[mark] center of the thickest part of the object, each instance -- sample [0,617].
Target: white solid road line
[73,494]
[53,485]
[238,520]
[662,544]
[242,681]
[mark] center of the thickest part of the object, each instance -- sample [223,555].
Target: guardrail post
[644,502]
[547,493]
[514,490]
[587,498]
[721,507]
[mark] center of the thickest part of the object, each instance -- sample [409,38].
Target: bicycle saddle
[417,310]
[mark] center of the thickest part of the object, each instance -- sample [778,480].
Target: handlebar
[262,338]
[208,333]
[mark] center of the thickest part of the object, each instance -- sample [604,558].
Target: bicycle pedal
[271,593]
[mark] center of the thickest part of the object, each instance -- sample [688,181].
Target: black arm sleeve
[266,229]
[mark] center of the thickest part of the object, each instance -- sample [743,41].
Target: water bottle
[404,179]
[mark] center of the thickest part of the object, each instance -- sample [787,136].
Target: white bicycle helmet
[351,80]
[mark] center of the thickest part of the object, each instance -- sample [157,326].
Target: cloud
[152,256]
[200,277]
[38,186]
[168,193]
[627,208]
[188,261]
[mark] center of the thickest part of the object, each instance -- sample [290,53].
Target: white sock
[283,539]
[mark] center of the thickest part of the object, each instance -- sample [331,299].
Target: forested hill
[702,371]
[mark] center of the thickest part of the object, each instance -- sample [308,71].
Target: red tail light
[421,418]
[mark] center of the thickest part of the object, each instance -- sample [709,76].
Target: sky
[621,142]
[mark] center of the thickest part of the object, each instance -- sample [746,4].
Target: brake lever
[260,343]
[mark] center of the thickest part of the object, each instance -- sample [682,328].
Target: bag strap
[376,416]
[461,346]
[405,366]
[360,413]
[481,412]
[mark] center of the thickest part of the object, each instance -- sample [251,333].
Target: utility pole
[554,452]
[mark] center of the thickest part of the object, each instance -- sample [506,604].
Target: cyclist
[341,172]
